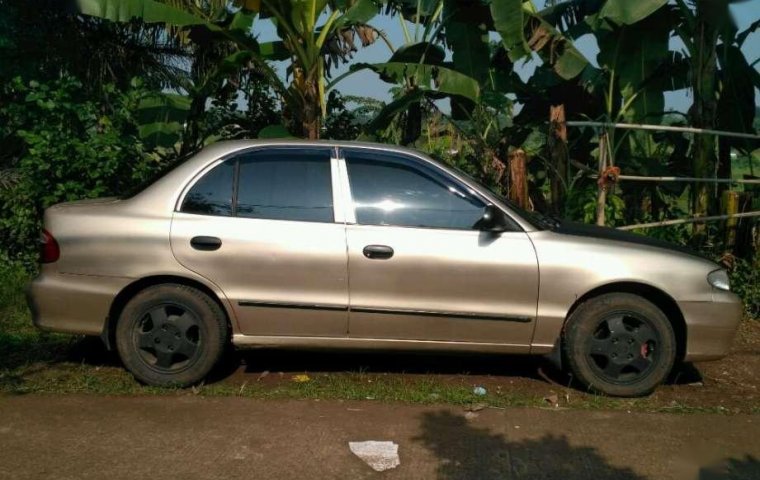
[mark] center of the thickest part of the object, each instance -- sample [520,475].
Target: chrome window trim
[347,199]
[339,206]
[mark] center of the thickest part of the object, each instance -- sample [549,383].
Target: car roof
[234,145]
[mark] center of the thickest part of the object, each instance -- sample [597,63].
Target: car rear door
[261,225]
[419,270]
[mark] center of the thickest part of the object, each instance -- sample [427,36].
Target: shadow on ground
[45,351]
[510,366]
[466,452]
[747,468]
[53,348]
[20,357]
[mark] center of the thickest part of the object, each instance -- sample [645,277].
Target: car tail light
[50,250]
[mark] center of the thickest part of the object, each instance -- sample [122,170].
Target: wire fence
[603,165]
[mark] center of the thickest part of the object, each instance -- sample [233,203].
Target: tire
[619,344]
[171,335]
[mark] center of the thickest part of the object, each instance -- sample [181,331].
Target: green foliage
[443,79]
[41,39]
[646,42]
[340,123]
[65,147]
[161,118]
[150,11]
[524,31]
[745,282]
[158,79]
[581,205]
[450,150]
[227,119]
[626,12]
[13,312]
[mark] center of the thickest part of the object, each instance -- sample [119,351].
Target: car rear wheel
[171,335]
[619,344]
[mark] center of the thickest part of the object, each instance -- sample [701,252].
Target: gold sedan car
[364,246]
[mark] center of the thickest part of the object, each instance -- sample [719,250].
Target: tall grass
[14,315]
[21,343]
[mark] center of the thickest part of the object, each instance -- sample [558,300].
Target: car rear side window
[212,194]
[394,190]
[286,184]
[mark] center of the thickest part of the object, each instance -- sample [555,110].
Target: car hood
[606,233]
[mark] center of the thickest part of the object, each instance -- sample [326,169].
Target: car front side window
[390,189]
[286,184]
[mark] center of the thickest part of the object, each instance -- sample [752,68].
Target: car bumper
[711,326]
[72,303]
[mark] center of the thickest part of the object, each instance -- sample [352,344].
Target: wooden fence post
[601,196]
[518,177]
[559,157]
[730,207]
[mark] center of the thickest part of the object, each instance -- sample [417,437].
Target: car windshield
[536,219]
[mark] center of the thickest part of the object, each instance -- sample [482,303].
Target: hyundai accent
[364,246]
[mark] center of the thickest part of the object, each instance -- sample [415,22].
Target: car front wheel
[619,344]
[171,335]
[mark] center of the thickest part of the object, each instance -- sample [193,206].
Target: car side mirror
[493,220]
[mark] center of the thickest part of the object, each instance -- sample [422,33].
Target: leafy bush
[62,146]
[340,123]
[14,316]
[581,205]
[745,282]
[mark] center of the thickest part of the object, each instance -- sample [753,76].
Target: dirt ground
[82,437]
[728,386]
[706,426]
[731,385]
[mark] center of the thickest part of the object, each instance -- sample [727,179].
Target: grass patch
[21,343]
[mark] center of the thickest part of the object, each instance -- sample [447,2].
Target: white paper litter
[380,456]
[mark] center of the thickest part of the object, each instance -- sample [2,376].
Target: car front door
[419,269]
[261,225]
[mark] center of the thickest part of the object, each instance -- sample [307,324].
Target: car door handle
[206,243]
[378,252]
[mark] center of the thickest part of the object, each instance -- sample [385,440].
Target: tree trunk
[703,112]
[192,133]
[311,129]
[413,125]
[601,196]
[559,156]
[310,118]
[724,164]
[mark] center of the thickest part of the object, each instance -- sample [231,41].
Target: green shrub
[62,146]
[745,282]
[14,316]
[581,205]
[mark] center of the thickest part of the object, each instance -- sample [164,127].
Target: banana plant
[304,37]
[464,26]
[723,84]
[307,41]
[417,69]
[523,30]
[212,35]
